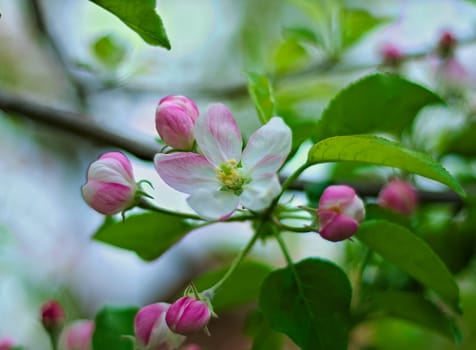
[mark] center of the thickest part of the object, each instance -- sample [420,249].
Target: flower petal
[186,172]
[107,198]
[124,166]
[337,196]
[267,148]
[218,136]
[336,227]
[213,205]
[259,193]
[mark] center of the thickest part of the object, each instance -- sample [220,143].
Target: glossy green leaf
[290,56]
[301,34]
[112,327]
[310,303]
[356,23]
[234,292]
[411,254]
[149,235]
[109,50]
[414,308]
[379,102]
[377,150]
[140,16]
[264,338]
[261,92]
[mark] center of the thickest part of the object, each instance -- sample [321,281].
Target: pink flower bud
[151,330]
[174,120]
[340,211]
[399,196]
[110,187]
[77,336]
[391,55]
[191,347]
[52,315]
[188,315]
[446,44]
[6,343]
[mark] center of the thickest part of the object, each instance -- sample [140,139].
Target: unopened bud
[446,44]
[110,187]
[6,343]
[174,120]
[340,212]
[77,336]
[188,315]
[399,196]
[151,330]
[52,315]
[391,55]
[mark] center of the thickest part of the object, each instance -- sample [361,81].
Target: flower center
[229,175]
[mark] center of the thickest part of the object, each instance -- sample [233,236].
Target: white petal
[267,148]
[213,205]
[218,135]
[186,172]
[259,193]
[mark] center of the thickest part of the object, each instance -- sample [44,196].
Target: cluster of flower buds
[340,212]
[165,326]
[399,196]
[75,336]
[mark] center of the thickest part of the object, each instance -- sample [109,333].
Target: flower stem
[214,289]
[282,226]
[285,251]
[144,203]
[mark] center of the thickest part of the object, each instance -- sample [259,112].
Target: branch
[81,125]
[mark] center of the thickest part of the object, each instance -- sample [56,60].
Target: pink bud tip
[151,330]
[391,54]
[446,44]
[174,120]
[110,187]
[399,196]
[77,336]
[52,315]
[340,212]
[188,315]
[6,343]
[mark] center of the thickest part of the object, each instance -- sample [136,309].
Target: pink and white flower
[340,212]
[110,187]
[188,315]
[224,177]
[151,330]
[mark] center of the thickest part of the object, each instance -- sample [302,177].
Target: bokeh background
[48,56]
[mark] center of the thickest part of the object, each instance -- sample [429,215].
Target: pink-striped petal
[259,193]
[108,198]
[336,227]
[267,148]
[125,163]
[110,170]
[186,172]
[218,135]
[337,196]
[213,205]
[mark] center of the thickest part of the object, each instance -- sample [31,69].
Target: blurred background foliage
[71,55]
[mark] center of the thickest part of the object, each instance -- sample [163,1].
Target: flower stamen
[229,175]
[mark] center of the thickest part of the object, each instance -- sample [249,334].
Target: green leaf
[261,92]
[379,102]
[301,34]
[414,308]
[264,338]
[109,50]
[113,325]
[290,56]
[149,235]
[377,150]
[234,292]
[411,254]
[356,23]
[310,302]
[140,16]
